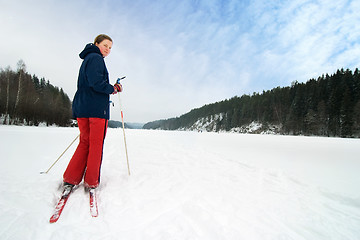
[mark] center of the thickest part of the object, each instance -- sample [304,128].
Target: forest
[326,106]
[28,100]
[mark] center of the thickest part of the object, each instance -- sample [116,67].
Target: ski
[93,203]
[61,204]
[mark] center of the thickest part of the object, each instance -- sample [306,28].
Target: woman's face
[105,47]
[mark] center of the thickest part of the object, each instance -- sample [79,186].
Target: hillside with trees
[327,106]
[28,100]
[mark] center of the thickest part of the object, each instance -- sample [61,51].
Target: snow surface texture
[184,185]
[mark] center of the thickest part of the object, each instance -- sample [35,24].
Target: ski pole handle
[119,79]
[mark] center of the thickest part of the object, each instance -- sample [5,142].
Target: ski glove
[117,88]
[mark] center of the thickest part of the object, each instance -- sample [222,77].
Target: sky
[181,55]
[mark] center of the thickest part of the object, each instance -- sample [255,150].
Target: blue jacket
[91,99]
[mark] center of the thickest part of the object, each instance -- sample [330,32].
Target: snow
[210,124]
[184,185]
[206,123]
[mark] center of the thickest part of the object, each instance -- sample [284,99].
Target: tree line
[29,100]
[326,106]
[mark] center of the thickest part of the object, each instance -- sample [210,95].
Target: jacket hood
[89,48]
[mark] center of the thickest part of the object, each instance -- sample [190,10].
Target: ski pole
[60,155]
[122,120]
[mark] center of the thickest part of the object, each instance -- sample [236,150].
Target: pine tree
[328,106]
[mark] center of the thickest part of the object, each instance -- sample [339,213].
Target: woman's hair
[101,38]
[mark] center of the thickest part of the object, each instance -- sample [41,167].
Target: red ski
[61,204]
[93,203]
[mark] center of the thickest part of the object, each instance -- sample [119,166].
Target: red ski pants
[86,161]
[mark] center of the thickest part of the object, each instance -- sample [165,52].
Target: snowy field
[184,185]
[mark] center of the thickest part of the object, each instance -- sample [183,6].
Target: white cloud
[178,55]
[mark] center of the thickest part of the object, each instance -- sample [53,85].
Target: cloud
[178,55]
[301,39]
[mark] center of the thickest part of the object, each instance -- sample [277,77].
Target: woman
[91,109]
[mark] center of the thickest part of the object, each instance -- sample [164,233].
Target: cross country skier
[91,109]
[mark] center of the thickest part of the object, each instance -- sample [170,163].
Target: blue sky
[180,55]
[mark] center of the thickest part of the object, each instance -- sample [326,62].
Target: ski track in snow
[184,185]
